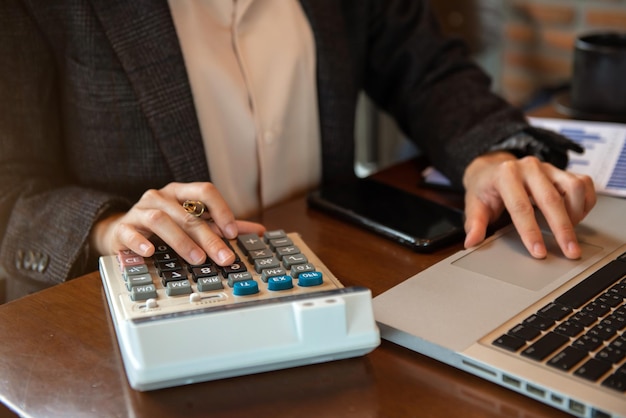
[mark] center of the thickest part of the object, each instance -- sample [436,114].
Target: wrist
[100,235]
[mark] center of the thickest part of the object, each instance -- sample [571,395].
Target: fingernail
[574,249]
[144,248]
[230,231]
[539,250]
[197,256]
[224,255]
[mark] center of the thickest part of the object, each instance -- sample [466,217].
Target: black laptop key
[525,332]
[567,359]
[554,311]
[545,346]
[539,322]
[616,381]
[592,285]
[583,319]
[587,343]
[569,329]
[509,342]
[593,369]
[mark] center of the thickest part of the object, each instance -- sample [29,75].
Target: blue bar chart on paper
[604,159]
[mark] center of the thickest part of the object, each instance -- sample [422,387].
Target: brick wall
[538,41]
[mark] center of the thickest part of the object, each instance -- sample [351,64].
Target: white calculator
[277,306]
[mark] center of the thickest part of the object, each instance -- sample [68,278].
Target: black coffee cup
[598,88]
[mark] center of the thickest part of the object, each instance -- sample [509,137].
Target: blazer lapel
[336,85]
[143,35]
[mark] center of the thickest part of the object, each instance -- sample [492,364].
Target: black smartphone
[408,219]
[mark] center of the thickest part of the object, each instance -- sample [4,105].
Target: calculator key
[199,272]
[247,287]
[280,283]
[164,257]
[207,284]
[133,270]
[281,252]
[138,280]
[256,254]
[311,278]
[275,234]
[172,276]
[169,266]
[280,242]
[238,277]
[130,259]
[302,268]
[250,242]
[143,292]
[291,260]
[233,268]
[180,287]
[267,273]
[266,263]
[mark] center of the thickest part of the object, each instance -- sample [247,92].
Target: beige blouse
[251,65]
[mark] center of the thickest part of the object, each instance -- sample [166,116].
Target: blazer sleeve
[44,220]
[428,83]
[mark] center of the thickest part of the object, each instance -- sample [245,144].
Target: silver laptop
[539,327]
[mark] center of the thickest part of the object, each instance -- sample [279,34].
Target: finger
[205,239]
[247,227]
[577,191]
[511,186]
[477,216]
[161,223]
[128,237]
[550,200]
[217,208]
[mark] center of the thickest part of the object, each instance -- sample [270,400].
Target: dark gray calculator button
[288,250]
[256,254]
[275,234]
[291,260]
[301,268]
[143,292]
[238,277]
[138,280]
[250,242]
[207,284]
[133,270]
[280,242]
[266,263]
[180,287]
[267,273]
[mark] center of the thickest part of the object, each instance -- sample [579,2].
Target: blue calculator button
[280,283]
[246,287]
[310,278]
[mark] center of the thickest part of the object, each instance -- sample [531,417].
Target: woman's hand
[498,181]
[161,212]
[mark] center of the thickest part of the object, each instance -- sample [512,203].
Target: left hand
[498,181]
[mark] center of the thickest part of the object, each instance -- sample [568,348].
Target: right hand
[160,212]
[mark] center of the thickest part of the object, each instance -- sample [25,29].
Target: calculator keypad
[269,266]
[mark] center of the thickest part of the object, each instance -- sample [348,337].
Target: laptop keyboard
[582,331]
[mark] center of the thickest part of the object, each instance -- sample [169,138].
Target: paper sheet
[604,159]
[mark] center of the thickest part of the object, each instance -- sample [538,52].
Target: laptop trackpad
[509,261]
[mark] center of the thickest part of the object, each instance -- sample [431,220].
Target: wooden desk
[59,356]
